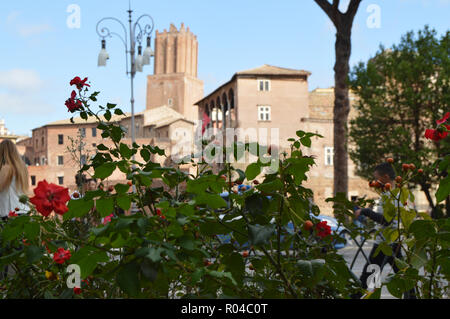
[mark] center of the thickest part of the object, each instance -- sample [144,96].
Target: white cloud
[30,30]
[27,104]
[20,80]
[12,16]
[25,30]
[19,90]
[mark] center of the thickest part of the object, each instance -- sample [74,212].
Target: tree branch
[326,6]
[353,8]
[330,9]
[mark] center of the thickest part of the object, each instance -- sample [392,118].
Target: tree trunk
[343,23]
[341,109]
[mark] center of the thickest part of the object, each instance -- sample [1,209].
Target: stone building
[270,97]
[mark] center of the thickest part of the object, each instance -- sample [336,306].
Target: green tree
[402,91]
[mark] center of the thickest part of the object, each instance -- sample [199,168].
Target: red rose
[61,256]
[444,119]
[77,290]
[73,104]
[323,230]
[12,214]
[107,219]
[79,83]
[436,135]
[50,197]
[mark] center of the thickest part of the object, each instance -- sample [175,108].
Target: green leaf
[212,200]
[398,285]
[102,147]
[149,270]
[34,254]
[31,230]
[78,208]
[122,188]
[105,206]
[443,190]
[127,279]
[145,153]
[269,187]
[124,202]
[118,112]
[125,151]
[260,235]
[107,115]
[105,170]
[407,216]
[423,229]
[312,271]
[252,171]
[306,141]
[219,274]
[187,242]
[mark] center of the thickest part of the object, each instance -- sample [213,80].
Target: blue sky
[39,53]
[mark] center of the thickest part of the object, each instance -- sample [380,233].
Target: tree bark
[341,111]
[343,23]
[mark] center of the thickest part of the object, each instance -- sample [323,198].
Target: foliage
[182,240]
[401,91]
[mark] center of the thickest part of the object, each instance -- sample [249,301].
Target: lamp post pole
[136,34]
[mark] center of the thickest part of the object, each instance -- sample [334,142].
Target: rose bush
[183,239]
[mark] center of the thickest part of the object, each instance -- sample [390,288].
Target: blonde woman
[13,180]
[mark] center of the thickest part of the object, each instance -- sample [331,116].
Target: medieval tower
[174,82]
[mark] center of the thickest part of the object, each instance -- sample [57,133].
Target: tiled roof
[90,120]
[161,116]
[273,70]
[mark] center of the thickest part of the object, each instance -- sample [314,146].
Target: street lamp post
[136,34]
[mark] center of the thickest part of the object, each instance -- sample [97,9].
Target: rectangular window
[329,156]
[33,180]
[60,139]
[60,160]
[83,159]
[61,180]
[263,113]
[94,132]
[83,132]
[264,85]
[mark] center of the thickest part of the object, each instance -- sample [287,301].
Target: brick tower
[174,82]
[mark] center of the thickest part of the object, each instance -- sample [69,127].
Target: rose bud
[390,160]
[412,167]
[387,186]
[398,179]
[405,167]
[420,171]
[245,254]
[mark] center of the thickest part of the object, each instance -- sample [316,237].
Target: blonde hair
[10,156]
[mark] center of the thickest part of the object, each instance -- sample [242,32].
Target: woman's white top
[9,200]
